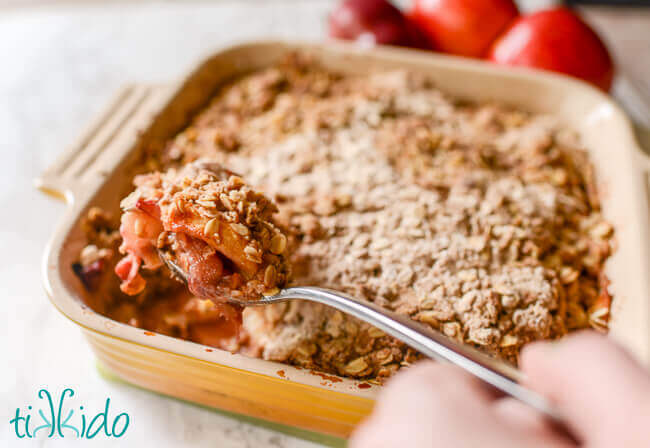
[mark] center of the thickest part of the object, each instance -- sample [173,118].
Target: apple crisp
[477,219]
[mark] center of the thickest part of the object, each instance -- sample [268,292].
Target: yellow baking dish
[98,169]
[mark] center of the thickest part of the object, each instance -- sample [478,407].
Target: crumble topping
[480,220]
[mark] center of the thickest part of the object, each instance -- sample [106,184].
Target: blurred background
[73,54]
[62,60]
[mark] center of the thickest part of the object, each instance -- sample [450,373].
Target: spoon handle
[431,343]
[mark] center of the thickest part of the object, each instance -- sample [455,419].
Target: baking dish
[99,168]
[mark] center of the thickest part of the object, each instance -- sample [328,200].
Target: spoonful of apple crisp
[214,232]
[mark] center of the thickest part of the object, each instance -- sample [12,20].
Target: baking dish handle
[105,143]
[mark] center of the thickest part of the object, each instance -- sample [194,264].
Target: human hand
[601,391]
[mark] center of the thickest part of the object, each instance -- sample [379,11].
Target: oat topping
[480,220]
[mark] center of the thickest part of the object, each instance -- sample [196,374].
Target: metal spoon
[427,341]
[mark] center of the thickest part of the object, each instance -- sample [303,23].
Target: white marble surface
[60,65]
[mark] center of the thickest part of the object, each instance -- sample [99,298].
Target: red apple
[558,40]
[374,21]
[463,27]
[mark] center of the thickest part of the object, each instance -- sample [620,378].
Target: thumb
[596,385]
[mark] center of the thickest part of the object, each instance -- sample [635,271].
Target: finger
[444,380]
[427,403]
[366,435]
[519,415]
[522,418]
[596,385]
